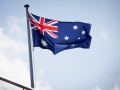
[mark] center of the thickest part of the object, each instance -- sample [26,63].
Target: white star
[83,32]
[44,43]
[75,27]
[79,38]
[66,38]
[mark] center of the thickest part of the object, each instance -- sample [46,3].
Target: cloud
[42,85]
[15,69]
[9,45]
[103,36]
[15,20]
[15,26]
[7,86]
[96,88]
[116,86]
[12,51]
[95,38]
[12,65]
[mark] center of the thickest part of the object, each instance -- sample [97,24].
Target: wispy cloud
[7,86]
[42,85]
[12,65]
[96,88]
[15,20]
[9,45]
[12,51]
[116,87]
[95,38]
[15,69]
[15,26]
[103,36]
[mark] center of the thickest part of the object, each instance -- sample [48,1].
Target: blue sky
[96,68]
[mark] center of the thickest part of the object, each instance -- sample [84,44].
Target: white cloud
[95,38]
[41,72]
[103,36]
[9,46]
[15,69]
[12,66]
[7,86]
[42,85]
[116,86]
[16,20]
[96,88]
[15,26]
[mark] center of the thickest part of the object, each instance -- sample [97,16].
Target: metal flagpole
[30,51]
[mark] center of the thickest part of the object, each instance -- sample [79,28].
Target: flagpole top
[26,6]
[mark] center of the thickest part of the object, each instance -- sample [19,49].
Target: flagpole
[30,51]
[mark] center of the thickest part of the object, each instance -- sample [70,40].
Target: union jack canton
[57,35]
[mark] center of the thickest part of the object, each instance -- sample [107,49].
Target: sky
[96,68]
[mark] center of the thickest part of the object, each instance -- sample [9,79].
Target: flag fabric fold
[57,35]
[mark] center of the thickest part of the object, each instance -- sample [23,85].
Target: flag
[58,35]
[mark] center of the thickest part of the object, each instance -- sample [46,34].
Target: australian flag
[57,35]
